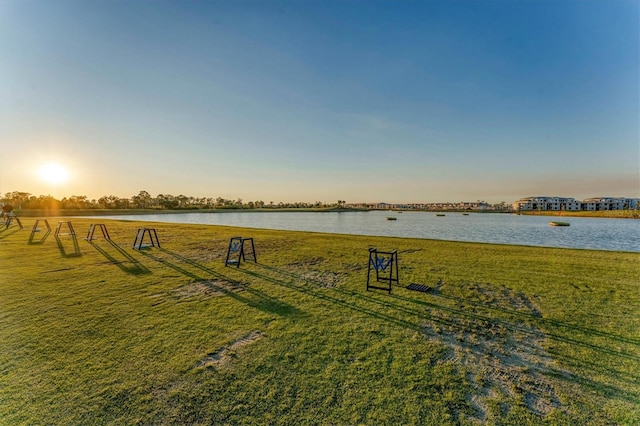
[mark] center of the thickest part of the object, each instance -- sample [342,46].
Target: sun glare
[53,173]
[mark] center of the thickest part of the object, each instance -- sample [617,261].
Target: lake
[583,233]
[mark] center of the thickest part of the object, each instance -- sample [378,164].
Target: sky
[284,101]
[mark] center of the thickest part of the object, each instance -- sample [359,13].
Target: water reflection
[585,233]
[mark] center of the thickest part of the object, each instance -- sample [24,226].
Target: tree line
[144,200]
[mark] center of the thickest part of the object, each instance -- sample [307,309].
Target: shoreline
[610,214]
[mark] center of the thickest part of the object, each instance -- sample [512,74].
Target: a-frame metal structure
[237,253]
[385,264]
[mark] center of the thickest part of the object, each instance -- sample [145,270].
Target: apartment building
[571,204]
[608,203]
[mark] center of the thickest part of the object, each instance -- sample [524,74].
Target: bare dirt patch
[224,355]
[311,261]
[327,279]
[205,289]
[503,358]
[215,251]
[321,278]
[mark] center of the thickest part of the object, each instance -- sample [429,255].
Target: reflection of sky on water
[586,233]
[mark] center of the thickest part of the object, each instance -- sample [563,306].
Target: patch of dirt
[213,252]
[311,261]
[327,279]
[502,357]
[204,289]
[355,267]
[507,298]
[324,278]
[223,356]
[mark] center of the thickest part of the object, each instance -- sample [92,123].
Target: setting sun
[53,173]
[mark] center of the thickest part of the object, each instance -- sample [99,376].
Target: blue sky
[400,101]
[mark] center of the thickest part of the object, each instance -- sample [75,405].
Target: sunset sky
[363,101]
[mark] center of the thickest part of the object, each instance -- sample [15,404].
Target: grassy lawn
[96,332]
[610,214]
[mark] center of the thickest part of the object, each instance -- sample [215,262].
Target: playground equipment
[236,252]
[153,238]
[385,263]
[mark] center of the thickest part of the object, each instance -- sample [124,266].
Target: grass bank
[96,332]
[613,214]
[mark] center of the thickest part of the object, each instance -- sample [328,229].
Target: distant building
[543,203]
[478,205]
[608,203]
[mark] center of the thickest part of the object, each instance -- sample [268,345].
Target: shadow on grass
[349,293]
[531,318]
[42,239]
[66,249]
[322,293]
[421,313]
[136,267]
[513,313]
[556,323]
[603,367]
[258,300]
[624,376]
[4,232]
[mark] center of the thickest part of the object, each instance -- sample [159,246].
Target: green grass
[611,214]
[99,333]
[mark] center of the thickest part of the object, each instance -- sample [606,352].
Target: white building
[609,203]
[571,204]
[546,204]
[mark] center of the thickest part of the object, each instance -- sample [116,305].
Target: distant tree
[45,202]
[167,201]
[111,202]
[121,203]
[75,202]
[183,201]
[103,202]
[142,200]
[17,199]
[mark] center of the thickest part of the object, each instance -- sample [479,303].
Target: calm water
[584,233]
